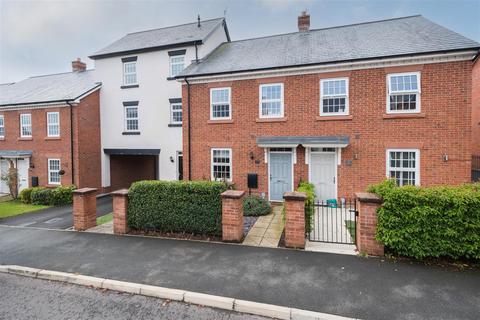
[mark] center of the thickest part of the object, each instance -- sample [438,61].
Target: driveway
[60,217]
[366,288]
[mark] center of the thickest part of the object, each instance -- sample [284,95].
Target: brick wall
[86,142]
[443,127]
[476,108]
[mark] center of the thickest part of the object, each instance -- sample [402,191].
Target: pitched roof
[50,88]
[393,37]
[160,38]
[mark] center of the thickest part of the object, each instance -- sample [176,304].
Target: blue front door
[280,175]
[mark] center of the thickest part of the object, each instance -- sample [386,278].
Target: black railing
[475,168]
[334,221]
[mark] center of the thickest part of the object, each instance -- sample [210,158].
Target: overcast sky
[42,37]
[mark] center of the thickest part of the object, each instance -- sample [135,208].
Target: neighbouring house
[50,129]
[141,102]
[341,107]
[476,121]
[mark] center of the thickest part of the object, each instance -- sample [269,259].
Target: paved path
[267,230]
[26,298]
[337,284]
[56,217]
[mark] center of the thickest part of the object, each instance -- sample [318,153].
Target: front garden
[16,207]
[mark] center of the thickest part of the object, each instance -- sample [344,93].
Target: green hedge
[48,196]
[430,222]
[309,189]
[176,206]
[256,206]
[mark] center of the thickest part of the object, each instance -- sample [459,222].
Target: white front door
[323,174]
[3,172]
[22,166]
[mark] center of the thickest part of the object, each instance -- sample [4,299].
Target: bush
[256,206]
[62,195]
[176,206]
[41,195]
[309,189]
[26,195]
[430,222]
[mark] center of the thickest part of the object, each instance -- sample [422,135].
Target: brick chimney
[78,65]
[304,21]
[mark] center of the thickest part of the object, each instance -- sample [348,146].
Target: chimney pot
[304,21]
[78,65]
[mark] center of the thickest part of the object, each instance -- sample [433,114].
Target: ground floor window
[53,171]
[403,166]
[221,164]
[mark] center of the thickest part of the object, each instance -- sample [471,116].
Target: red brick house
[342,107]
[50,129]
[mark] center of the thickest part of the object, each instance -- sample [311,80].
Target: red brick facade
[86,141]
[476,108]
[442,127]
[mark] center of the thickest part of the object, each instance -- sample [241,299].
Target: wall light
[171,159]
[445,157]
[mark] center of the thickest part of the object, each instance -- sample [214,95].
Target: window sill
[404,115]
[173,125]
[282,119]
[334,118]
[25,139]
[220,121]
[133,133]
[52,138]
[129,86]
[2,138]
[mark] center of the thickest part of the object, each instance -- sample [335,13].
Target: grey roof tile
[167,36]
[400,36]
[49,88]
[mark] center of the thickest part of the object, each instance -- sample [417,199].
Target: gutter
[189,134]
[71,141]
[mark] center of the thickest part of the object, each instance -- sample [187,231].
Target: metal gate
[334,222]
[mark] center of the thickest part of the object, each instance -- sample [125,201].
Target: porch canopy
[15,154]
[307,142]
[132,152]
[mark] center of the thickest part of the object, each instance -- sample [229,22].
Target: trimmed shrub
[430,222]
[62,195]
[26,195]
[176,206]
[256,206]
[309,189]
[41,195]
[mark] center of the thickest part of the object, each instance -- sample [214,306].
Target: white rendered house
[141,106]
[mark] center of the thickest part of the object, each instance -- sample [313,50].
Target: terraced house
[141,103]
[50,129]
[342,107]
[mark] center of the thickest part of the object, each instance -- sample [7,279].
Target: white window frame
[125,73]
[53,124]
[52,171]
[417,163]
[230,164]
[29,115]
[405,92]
[172,121]
[125,119]
[323,96]
[176,63]
[2,125]
[282,107]
[229,103]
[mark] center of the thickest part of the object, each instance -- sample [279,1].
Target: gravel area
[248,223]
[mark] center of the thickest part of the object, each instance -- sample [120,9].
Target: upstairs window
[176,113]
[177,64]
[131,116]
[403,166]
[25,125]
[221,164]
[220,103]
[334,97]
[404,93]
[53,124]
[2,127]
[130,71]
[271,100]
[53,171]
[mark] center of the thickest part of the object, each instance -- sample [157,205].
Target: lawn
[15,207]
[104,219]
[350,224]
